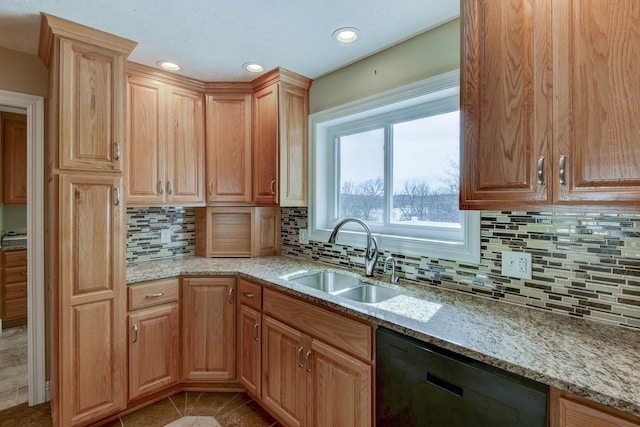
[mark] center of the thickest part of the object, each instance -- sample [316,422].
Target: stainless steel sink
[328,281]
[369,294]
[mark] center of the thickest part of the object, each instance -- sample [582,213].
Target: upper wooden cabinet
[13,128]
[166,147]
[228,147]
[89,82]
[280,114]
[550,105]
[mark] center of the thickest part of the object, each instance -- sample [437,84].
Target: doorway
[34,106]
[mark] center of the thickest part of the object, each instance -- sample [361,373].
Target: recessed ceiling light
[168,65]
[346,34]
[253,67]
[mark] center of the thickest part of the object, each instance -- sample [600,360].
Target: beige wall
[21,72]
[431,53]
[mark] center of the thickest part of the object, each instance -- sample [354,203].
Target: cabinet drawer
[340,331]
[14,258]
[15,308]
[250,294]
[15,290]
[15,274]
[153,293]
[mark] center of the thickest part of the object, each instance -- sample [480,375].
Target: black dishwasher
[418,384]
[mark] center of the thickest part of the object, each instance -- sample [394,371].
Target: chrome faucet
[371,253]
[390,262]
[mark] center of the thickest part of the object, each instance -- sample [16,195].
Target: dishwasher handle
[444,385]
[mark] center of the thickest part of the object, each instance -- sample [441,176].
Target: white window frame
[322,179]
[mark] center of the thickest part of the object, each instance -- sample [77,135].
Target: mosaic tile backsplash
[583,265]
[145,228]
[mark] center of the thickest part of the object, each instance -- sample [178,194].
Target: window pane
[362,175]
[426,170]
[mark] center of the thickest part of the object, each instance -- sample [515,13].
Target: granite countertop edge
[590,359]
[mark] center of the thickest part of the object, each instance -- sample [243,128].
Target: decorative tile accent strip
[144,233]
[584,265]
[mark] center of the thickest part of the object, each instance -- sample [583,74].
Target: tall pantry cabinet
[85,228]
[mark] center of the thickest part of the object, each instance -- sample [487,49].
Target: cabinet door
[249,346]
[147,141]
[266,239]
[283,374]
[574,414]
[185,146]
[92,107]
[91,297]
[597,101]
[340,388]
[505,104]
[153,349]
[265,145]
[228,148]
[14,146]
[294,112]
[209,334]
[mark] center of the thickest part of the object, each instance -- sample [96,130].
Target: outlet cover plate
[304,236]
[516,264]
[165,236]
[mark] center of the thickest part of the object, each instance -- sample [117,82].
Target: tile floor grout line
[194,403]
[174,405]
[225,405]
[237,407]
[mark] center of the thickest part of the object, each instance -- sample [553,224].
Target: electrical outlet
[516,264]
[303,236]
[165,236]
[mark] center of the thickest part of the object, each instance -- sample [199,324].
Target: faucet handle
[390,261]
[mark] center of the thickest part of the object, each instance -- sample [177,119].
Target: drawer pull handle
[307,361]
[444,385]
[117,190]
[298,354]
[254,333]
[159,294]
[249,294]
[210,188]
[230,295]
[271,186]
[161,187]
[170,187]
[135,333]
[117,144]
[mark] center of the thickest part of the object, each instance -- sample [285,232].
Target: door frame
[35,240]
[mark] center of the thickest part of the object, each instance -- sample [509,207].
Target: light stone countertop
[598,361]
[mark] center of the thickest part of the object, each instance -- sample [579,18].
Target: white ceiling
[211,39]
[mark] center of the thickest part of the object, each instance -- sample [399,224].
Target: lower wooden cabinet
[568,410]
[209,329]
[154,347]
[13,288]
[249,349]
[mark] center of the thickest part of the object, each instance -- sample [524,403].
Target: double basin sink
[345,286]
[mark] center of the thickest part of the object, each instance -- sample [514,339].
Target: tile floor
[187,409]
[14,380]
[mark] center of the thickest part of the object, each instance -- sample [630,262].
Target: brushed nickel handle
[254,333]
[135,333]
[562,170]
[158,295]
[170,187]
[210,188]
[24,273]
[540,171]
[160,187]
[271,186]
[230,295]
[248,294]
[298,354]
[117,146]
[307,361]
[117,190]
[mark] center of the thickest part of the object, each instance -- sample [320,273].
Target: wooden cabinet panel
[265,145]
[185,146]
[283,378]
[209,337]
[147,140]
[155,292]
[569,410]
[249,349]
[13,288]
[14,158]
[154,347]
[266,235]
[293,145]
[505,103]
[339,388]
[14,258]
[597,101]
[228,148]
[250,294]
[92,85]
